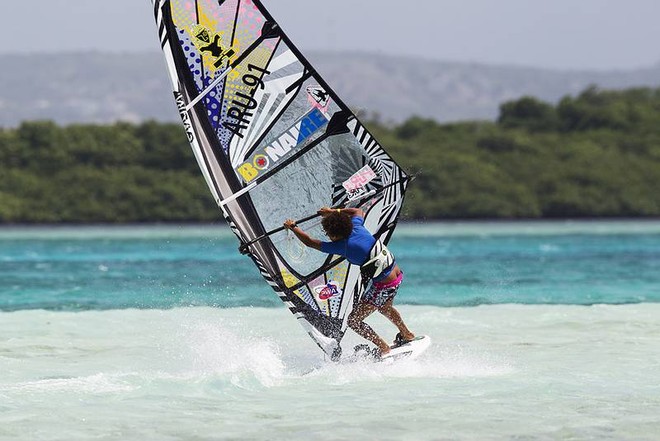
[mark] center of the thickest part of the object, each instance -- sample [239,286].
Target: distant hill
[106,87]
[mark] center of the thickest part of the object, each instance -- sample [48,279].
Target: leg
[393,315]
[356,322]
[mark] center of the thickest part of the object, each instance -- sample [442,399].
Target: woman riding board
[350,239]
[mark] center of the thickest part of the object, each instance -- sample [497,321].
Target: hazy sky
[562,34]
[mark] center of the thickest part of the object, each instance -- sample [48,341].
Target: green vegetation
[594,155]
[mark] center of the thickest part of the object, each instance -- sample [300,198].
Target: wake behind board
[408,351]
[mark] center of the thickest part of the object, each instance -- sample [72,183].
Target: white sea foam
[493,372]
[217,350]
[93,384]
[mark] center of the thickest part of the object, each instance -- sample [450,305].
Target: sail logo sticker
[294,137]
[320,98]
[356,186]
[209,44]
[328,291]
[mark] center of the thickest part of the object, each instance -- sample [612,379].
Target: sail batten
[274,141]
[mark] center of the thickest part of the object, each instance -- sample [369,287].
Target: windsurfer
[350,239]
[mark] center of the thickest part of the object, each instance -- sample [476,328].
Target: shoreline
[416,228]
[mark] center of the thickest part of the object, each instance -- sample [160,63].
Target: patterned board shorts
[379,295]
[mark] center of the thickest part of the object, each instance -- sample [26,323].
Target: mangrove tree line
[593,155]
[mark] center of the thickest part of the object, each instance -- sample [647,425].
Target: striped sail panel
[274,142]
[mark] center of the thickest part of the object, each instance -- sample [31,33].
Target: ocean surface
[541,330]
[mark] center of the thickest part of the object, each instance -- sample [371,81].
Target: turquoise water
[446,265]
[544,331]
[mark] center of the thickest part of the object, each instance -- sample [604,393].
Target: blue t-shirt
[356,248]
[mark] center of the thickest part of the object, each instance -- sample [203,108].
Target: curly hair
[337,225]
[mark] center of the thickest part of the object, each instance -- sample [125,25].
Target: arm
[302,236]
[352,212]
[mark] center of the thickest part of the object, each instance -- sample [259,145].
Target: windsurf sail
[274,142]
